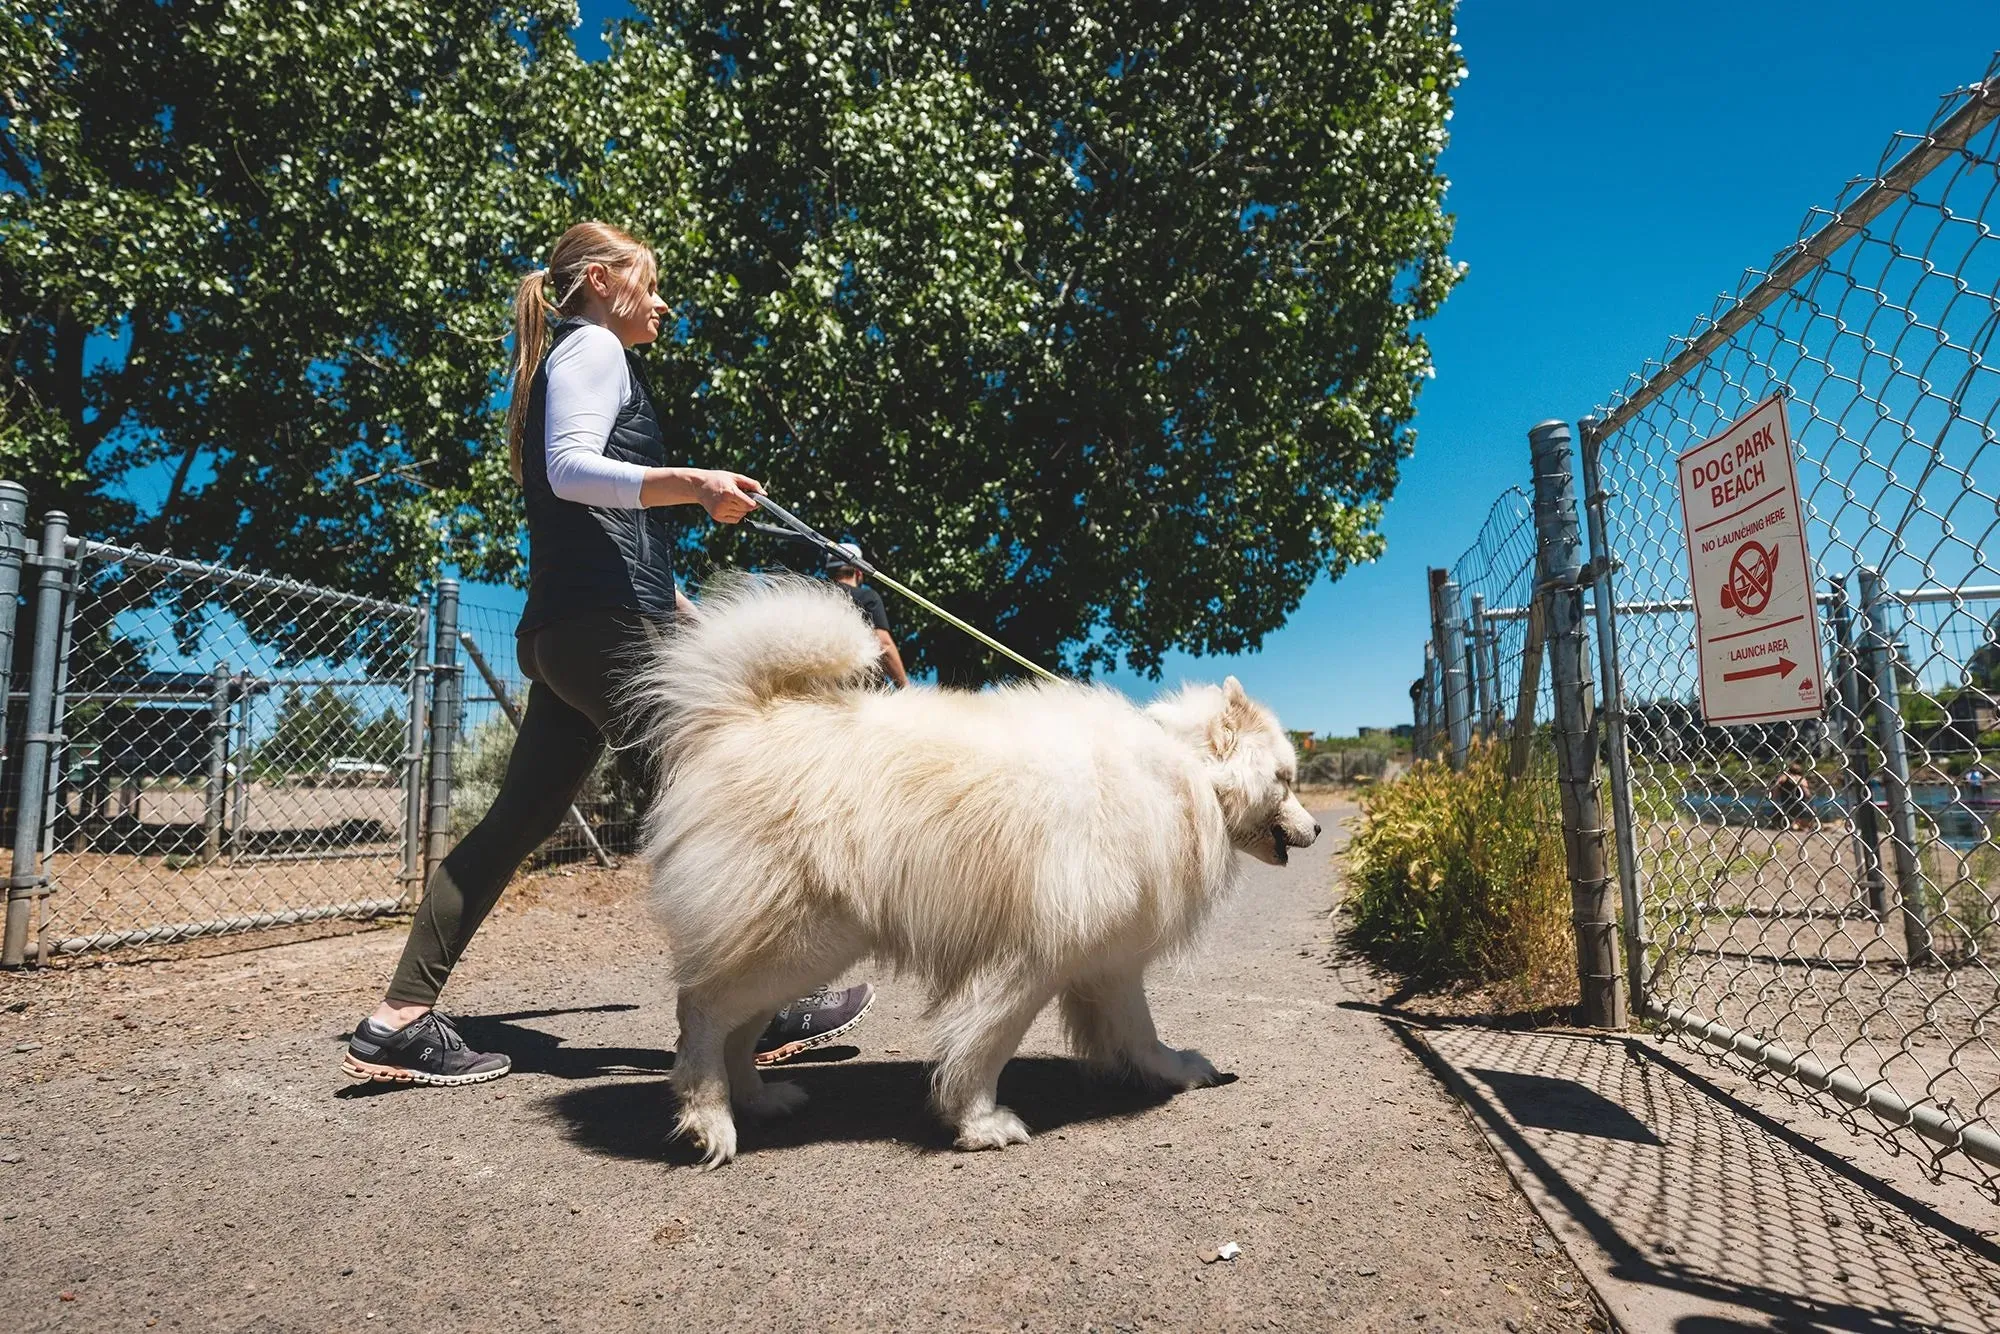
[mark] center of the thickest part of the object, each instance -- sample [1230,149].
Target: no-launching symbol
[1751,571]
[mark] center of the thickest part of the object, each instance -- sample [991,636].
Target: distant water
[1961,822]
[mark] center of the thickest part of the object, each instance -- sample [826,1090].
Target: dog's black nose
[1315,829]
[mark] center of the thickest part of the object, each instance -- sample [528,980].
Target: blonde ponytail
[531,337]
[555,291]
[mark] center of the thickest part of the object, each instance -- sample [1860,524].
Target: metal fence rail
[1847,942]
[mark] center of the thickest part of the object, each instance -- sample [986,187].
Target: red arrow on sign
[1782,667]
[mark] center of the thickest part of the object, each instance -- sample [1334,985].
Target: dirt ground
[178,1150]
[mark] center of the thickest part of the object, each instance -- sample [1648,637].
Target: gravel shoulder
[181,1152]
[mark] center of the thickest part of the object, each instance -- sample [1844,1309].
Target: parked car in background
[349,771]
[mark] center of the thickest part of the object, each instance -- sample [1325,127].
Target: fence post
[444,722]
[1483,684]
[413,755]
[24,884]
[1448,634]
[1613,708]
[218,765]
[239,786]
[13,546]
[1432,708]
[1879,652]
[1602,998]
[1420,708]
[1851,733]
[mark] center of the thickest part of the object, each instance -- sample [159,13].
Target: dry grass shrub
[1457,880]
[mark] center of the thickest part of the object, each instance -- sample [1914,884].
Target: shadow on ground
[1697,1203]
[881,1101]
[535,1052]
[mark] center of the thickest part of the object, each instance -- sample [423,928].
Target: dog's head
[1251,762]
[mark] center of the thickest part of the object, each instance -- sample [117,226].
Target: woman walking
[587,448]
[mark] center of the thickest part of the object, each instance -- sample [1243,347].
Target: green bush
[1458,878]
[610,796]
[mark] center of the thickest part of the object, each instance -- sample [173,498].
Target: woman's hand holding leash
[727,496]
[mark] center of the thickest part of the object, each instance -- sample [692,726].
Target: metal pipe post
[1417,713]
[1851,734]
[1602,1003]
[1637,954]
[1879,643]
[444,724]
[1484,683]
[218,765]
[13,548]
[239,784]
[24,884]
[1448,635]
[1427,708]
[1457,685]
[413,755]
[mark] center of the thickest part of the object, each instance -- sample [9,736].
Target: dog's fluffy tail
[756,638]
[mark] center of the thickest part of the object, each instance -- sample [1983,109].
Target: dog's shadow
[852,1101]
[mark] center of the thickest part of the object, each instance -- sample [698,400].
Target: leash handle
[825,544]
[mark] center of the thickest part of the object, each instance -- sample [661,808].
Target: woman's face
[639,322]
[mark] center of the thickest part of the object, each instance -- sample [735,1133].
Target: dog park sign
[1756,622]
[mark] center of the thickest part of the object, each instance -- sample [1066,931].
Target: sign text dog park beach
[1756,623]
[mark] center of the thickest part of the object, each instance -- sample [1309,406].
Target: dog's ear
[1229,720]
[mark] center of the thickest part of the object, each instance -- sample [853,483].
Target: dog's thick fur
[1007,847]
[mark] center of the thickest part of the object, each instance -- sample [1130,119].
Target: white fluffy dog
[1007,847]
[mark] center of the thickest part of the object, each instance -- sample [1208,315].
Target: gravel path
[177,1150]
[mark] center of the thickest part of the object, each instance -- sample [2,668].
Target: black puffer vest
[582,558]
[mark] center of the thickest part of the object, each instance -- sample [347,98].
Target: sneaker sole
[367,1072]
[779,1055]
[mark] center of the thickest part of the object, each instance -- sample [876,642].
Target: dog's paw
[713,1134]
[991,1130]
[1174,1071]
[1197,1071]
[768,1102]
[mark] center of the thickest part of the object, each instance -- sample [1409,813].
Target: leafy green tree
[313,727]
[252,252]
[1094,320]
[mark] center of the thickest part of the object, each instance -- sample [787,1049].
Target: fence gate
[223,750]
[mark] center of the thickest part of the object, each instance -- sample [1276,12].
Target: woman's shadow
[537,1053]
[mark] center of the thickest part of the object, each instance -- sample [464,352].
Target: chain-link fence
[191,750]
[224,750]
[1816,898]
[1483,679]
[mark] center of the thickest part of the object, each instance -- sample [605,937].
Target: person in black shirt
[870,602]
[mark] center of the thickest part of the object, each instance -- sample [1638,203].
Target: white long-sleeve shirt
[589,384]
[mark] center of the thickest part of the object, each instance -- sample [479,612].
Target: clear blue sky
[1613,167]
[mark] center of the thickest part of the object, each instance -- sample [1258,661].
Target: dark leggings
[574,667]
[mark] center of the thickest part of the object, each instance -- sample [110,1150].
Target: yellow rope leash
[792,522]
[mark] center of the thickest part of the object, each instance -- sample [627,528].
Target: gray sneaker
[427,1050]
[812,1021]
